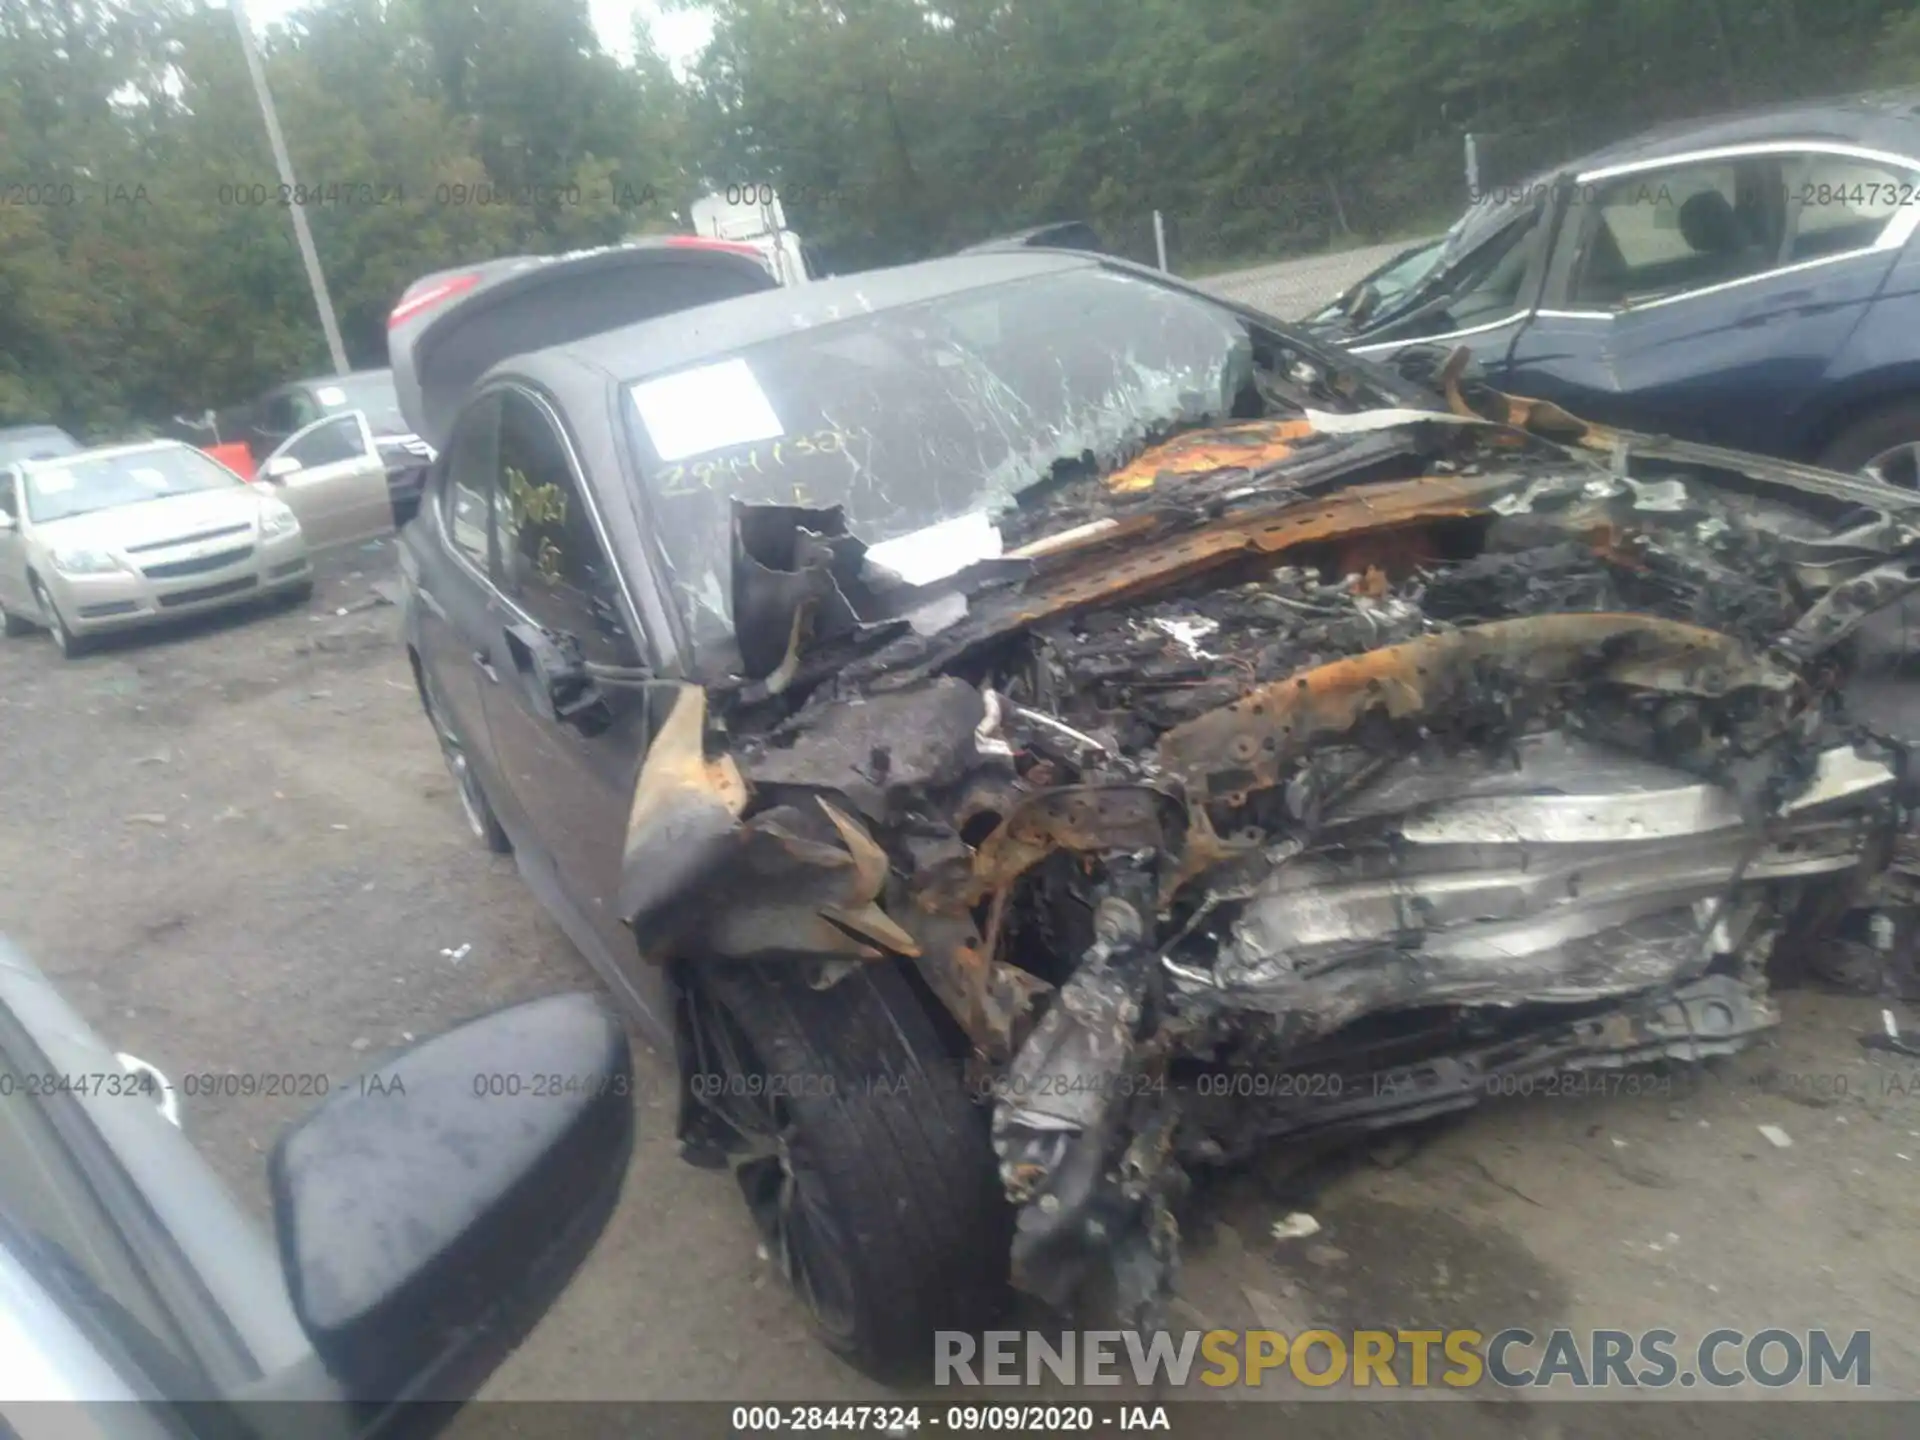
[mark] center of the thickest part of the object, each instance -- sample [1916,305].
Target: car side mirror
[1365,300]
[1423,363]
[562,684]
[432,1210]
[279,467]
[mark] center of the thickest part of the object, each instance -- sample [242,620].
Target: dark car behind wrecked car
[1750,280]
[335,420]
[1056,235]
[1020,676]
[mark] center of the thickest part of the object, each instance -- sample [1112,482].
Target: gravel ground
[1295,288]
[235,848]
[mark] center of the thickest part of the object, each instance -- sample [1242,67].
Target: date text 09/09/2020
[902,1420]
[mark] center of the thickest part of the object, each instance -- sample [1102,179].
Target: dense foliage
[147,263]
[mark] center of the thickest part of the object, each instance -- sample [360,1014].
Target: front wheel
[869,1169]
[1883,444]
[65,641]
[485,825]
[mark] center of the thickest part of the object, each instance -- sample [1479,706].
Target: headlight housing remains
[277,519]
[83,560]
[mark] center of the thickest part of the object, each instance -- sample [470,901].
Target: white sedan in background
[125,535]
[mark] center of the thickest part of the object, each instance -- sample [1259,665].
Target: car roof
[107,452]
[450,328]
[722,326]
[1889,121]
[1060,234]
[383,373]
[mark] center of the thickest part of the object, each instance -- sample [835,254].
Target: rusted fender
[685,815]
[695,877]
[1358,510]
[1248,744]
[1253,445]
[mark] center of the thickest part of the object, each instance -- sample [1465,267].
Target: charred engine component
[792,570]
[1081,1149]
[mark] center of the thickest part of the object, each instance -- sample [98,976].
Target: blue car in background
[1750,281]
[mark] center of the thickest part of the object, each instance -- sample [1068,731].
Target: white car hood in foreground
[155,522]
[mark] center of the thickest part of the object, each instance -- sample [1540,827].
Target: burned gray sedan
[1053,730]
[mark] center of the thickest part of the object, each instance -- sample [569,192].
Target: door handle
[1787,302]
[485,663]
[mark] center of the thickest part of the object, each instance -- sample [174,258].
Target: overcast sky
[678,35]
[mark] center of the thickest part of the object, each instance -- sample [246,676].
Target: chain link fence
[1269,218]
[1416,195]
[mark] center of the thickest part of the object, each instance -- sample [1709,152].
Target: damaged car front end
[1228,799]
[1092,732]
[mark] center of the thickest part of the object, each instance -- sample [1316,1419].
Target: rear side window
[551,560]
[330,444]
[1842,204]
[466,497]
[1661,233]
[280,416]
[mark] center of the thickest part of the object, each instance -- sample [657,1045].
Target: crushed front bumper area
[1457,927]
[1247,807]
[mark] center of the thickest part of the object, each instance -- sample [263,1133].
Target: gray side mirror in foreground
[431,1211]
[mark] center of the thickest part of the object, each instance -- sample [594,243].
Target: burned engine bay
[1299,775]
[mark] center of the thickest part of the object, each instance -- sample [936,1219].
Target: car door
[1705,296]
[569,786]
[332,476]
[13,548]
[447,567]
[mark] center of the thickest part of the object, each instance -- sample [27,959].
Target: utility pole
[303,237]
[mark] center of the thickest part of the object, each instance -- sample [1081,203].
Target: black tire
[299,597]
[70,645]
[474,804]
[1889,435]
[884,1161]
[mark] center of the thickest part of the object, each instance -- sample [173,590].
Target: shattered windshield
[925,413]
[1391,282]
[1473,247]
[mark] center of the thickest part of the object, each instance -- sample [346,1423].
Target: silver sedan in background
[122,536]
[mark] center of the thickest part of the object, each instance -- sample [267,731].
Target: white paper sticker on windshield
[1362,421]
[53,482]
[331,395]
[924,556]
[703,409]
[148,476]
